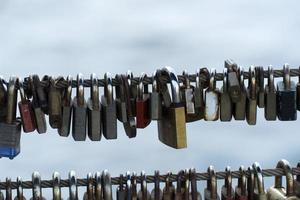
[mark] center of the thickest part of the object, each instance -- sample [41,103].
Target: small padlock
[270,97]
[10,129]
[3,100]
[106,185]
[94,111]
[73,188]
[143,194]
[251,105]
[260,85]
[227,190]
[225,100]
[298,93]
[20,194]
[54,103]
[179,192]
[234,88]
[155,98]
[259,192]
[210,192]
[109,110]
[278,192]
[40,93]
[120,100]
[198,95]
[169,190]
[172,126]
[36,187]
[56,191]
[121,192]
[79,112]
[250,183]
[286,97]
[212,99]
[239,108]
[241,192]
[156,193]
[194,194]
[66,109]
[26,111]
[142,104]
[132,92]
[39,115]
[134,186]
[89,194]
[98,186]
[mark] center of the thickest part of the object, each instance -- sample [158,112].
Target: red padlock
[142,104]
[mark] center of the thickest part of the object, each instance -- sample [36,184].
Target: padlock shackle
[258,178]
[271,78]
[107,188]
[73,190]
[212,80]
[286,76]
[285,165]
[94,91]
[228,181]
[68,91]
[241,75]
[192,174]
[141,86]
[134,184]
[186,81]
[36,186]
[252,82]
[20,194]
[225,79]
[8,190]
[168,183]
[250,182]
[155,80]
[242,181]
[143,184]
[90,186]
[180,178]
[212,182]
[198,80]
[174,83]
[56,191]
[80,90]
[98,186]
[108,88]
[21,89]
[11,100]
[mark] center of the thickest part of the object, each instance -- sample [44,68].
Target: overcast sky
[67,37]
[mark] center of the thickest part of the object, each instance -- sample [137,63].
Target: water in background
[63,37]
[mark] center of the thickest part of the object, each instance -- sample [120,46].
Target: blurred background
[63,37]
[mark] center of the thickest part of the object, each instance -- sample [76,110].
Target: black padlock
[10,129]
[79,112]
[286,97]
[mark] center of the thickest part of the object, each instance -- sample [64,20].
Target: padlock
[239,108]
[109,110]
[155,98]
[41,94]
[130,124]
[260,85]
[225,100]
[234,87]
[179,192]
[259,192]
[36,187]
[241,192]
[3,100]
[194,194]
[132,92]
[278,191]
[10,129]
[297,183]
[298,93]
[186,191]
[134,186]
[120,100]
[143,194]
[210,192]
[121,192]
[79,112]
[20,195]
[212,99]
[39,115]
[98,186]
[270,97]
[56,190]
[94,111]
[55,103]
[8,189]
[227,190]
[73,189]
[188,95]
[66,109]
[250,183]
[89,194]
[169,190]
[128,186]
[106,185]
[26,111]
[286,97]
[172,126]
[142,104]
[156,193]
[251,103]
[198,96]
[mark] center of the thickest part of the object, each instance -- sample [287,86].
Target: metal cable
[150,179]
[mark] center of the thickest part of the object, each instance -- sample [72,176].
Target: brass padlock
[172,126]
